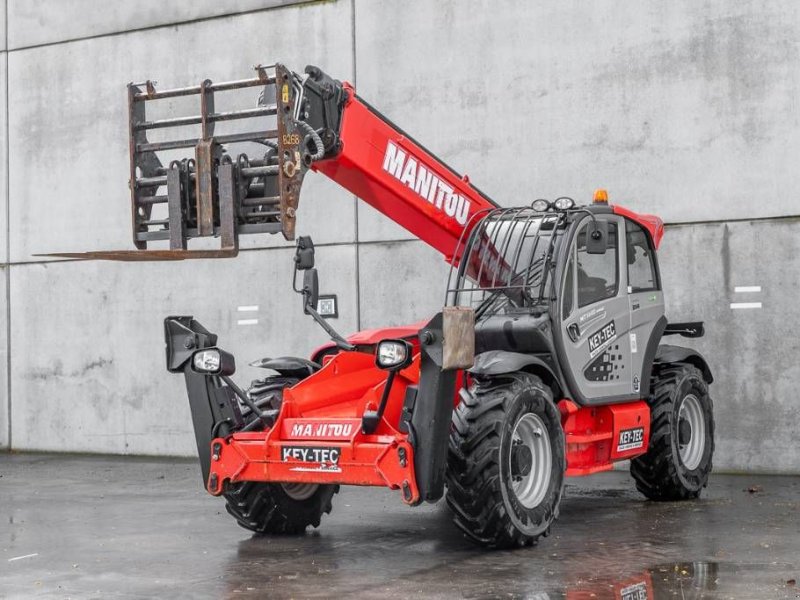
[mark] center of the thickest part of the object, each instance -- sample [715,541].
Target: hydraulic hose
[314,136]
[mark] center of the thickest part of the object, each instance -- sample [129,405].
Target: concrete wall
[684,109]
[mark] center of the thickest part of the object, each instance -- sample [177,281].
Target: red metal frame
[592,434]
[324,411]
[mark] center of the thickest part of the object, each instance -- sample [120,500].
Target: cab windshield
[503,265]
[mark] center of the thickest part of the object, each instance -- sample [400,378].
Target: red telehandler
[545,362]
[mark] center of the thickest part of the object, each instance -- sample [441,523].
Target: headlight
[393,354]
[207,361]
[564,203]
[540,205]
[213,361]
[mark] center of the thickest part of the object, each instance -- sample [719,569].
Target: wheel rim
[299,491]
[691,432]
[530,461]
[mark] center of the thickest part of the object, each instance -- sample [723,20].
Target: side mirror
[304,254]
[393,355]
[310,290]
[213,361]
[597,237]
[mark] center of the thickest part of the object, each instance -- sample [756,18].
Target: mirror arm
[595,232]
[294,280]
[337,339]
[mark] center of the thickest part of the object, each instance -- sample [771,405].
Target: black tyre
[506,462]
[278,508]
[679,457]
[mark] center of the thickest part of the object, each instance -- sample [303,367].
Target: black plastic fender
[290,366]
[667,353]
[500,362]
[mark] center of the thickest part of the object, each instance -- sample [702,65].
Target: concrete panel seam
[8,254]
[739,220]
[152,27]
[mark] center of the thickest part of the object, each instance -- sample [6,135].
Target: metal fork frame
[211,175]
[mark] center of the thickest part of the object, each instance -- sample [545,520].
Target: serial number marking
[290,139]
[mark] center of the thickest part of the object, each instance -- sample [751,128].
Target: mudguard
[667,353]
[499,362]
[289,366]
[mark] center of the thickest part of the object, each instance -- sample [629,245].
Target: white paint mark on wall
[747,289]
[740,305]
[250,308]
[247,322]
[21,557]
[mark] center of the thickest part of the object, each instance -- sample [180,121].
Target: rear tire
[506,461]
[679,457]
[276,508]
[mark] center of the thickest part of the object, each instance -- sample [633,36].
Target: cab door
[596,318]
[646,303]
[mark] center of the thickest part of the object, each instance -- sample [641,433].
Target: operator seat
[590,289]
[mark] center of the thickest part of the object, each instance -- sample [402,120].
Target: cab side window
[598,274]
[641,268]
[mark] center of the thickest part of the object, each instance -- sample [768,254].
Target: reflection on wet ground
[132,528]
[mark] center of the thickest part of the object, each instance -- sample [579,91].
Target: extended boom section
[389,170]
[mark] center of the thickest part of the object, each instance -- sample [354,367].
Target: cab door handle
[574,332]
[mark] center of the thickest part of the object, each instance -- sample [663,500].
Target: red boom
[398,177]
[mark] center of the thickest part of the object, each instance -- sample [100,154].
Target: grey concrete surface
[752,352]
[686,110]
[4,398]
[400,283]
[4,233]
[3,22]
[100,384]
[38,22]
[76,527]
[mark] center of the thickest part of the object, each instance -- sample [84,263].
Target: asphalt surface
[110,527]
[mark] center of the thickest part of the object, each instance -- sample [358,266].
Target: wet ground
[89,527]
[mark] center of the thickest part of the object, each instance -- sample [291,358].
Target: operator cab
[576,288]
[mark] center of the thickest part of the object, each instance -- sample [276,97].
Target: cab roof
[653,224]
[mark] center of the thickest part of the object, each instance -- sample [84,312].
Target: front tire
[679,457]
[276,508]
[506,461]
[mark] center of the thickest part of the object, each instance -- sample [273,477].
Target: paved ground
[87,527]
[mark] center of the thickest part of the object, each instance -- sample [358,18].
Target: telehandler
[546,361]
